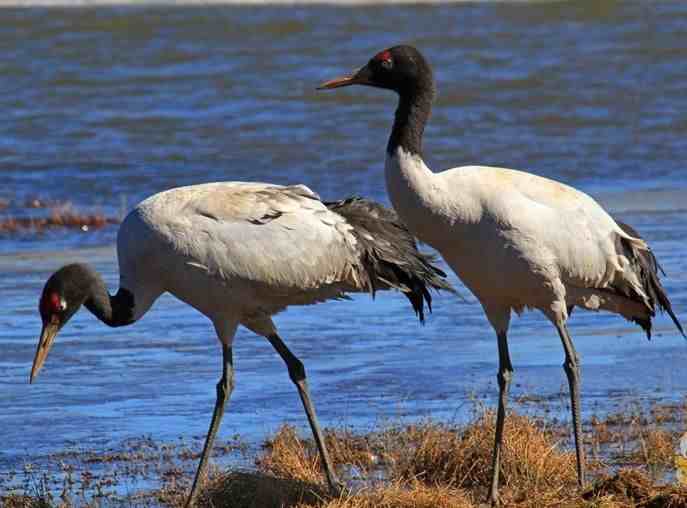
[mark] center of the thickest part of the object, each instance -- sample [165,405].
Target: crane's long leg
[572,370]
[297,375]
[224,388]
[504,377]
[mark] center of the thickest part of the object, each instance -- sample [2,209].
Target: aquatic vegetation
[59,215]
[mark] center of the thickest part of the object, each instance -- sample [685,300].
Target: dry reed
[60,216]
[531,459]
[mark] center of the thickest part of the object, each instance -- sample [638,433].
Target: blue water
[102,107]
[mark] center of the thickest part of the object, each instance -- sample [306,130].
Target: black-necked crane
[516,240]
[239,253]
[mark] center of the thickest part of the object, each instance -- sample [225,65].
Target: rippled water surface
[104,106]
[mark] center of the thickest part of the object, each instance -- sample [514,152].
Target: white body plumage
[237,252]
[516,239]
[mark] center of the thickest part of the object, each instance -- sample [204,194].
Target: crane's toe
[336,488]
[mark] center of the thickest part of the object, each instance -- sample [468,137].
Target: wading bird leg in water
[297,375]
[224,388]
[572,370]
[504,378]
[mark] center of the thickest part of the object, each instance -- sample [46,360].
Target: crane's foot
[336,488]
[190,500]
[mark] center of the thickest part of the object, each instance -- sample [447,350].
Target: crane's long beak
[358,77]
[48,334]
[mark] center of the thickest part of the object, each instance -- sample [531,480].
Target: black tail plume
[389,254]
[647,267]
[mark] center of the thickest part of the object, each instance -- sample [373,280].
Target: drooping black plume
[389,253]
[647,268]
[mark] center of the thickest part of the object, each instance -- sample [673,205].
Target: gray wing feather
[282,237]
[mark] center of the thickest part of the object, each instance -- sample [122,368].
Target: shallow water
[102,107]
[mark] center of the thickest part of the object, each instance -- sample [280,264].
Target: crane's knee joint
[296,370]
[221,390]
[225,386]
[572,367]
[504,378]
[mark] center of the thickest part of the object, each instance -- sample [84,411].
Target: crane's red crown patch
[383,56]
[52,303]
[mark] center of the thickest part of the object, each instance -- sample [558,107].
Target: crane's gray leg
[297,375]
[224,388]
[504,378]
[572,370]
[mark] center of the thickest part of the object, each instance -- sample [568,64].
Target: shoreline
[266,3]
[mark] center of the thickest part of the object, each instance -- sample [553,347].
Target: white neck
[413,192]
[438,208]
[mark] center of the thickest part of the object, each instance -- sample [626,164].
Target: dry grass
[346,447]
[24,501]
[531,459]
[401,495]
[633,488]
[288,456]
[251,489]
[640,437]
[60,216]
[656,448]
[433,465]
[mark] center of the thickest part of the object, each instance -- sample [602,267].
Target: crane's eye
[387,64]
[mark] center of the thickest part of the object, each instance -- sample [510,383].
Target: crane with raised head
[515,239]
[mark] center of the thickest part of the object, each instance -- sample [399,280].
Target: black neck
[114,310]
[414,108]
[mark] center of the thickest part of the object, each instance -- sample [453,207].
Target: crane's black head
[401,68]
[63,294]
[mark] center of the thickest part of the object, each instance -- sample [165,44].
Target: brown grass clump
[627,486]
[400,495]
[240,489]
[23,501]
[633,488]
[656,448]
[668,413]
[64,216]
[259,490]
[345,447]
[288,456]
[601,432]
[531,461]
[428,452]
[438,463]
[671,498]
[640,437]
